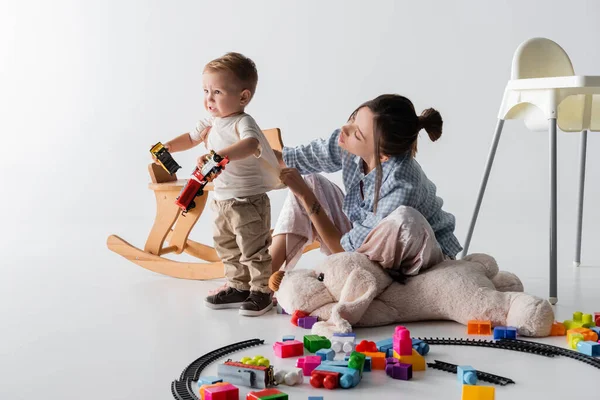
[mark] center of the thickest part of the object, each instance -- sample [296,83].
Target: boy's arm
[240,150]
[181,143]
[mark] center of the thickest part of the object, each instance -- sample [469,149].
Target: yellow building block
[416,360]
[471,392]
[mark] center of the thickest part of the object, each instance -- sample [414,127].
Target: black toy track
[183,389]
[482,376]
[518,345]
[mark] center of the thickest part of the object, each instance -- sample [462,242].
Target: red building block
[329,380]
[366,346]
[479,328]
[289,348]
[597,318]
[222,392]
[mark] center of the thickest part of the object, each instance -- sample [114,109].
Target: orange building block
[558,329]
[472,392]
[377,359]
[416,360]
[479,328]
[588,334]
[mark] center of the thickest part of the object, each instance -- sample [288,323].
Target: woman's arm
[330,235]
[321,155]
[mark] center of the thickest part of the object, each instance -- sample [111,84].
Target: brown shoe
[228,298]
[256,304]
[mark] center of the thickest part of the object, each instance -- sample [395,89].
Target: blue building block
[336,363]
[208,380]
[326,354]
[420,346]
[349,377]
[315,397]
[366,367]
[596,329]
[289,337]
[590,348]
[505,332]
[466,375]
[351,334]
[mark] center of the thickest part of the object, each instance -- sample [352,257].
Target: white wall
[87,86]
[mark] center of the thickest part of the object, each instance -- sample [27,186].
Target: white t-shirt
[252,175]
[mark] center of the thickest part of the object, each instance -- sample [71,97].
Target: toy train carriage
[164,158]
[255,376]
[195,185]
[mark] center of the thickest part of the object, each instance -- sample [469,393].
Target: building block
[315,397]
[349,377]
[397,370]
[386,346]
[288,338]
[580,320]
[367,364]
[308,364]
[326,354]
[596,329]
[203,388]
[291,377]
[343,342]
[366,346]
[558,329]
[313,343]
[267,394]
[590,348]
[208,380]
[505,332]
[402,342]
[597,318]
[479,327]
[574,338]
[420,346]
[466,375]
[297,315]
[256,360]
[356,361]
[307,322]
[327,379]
[471,392]
[377,359]
[222,392]
[588,334]
[416,360]
[289,348]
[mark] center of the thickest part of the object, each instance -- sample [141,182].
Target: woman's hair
[396,128]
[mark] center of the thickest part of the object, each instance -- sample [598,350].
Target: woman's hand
[293,180]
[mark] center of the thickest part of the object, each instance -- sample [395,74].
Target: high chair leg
[582,156]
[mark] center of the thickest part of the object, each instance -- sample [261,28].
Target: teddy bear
[349,290]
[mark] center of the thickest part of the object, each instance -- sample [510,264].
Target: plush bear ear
[488,262]
[300,290]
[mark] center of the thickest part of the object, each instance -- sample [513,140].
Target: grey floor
[79,322]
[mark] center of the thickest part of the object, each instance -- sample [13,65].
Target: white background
[86,87]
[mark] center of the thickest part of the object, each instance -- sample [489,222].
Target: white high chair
[544,91]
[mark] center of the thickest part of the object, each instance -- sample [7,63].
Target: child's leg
[294,230]
[238,278]
[403,241]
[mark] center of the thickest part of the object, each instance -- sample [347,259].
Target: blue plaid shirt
[403,183]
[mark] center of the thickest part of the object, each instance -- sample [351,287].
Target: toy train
[255,376]
[195,185]
[164,158]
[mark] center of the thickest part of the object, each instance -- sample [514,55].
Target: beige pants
[241,232]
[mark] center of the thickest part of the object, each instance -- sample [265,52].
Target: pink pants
[402,241]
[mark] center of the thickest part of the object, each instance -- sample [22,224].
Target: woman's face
[357,135]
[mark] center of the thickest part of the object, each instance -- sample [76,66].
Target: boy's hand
[202,160]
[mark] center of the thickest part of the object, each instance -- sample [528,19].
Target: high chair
[545,92]
[173,226]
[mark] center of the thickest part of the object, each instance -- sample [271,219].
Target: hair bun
[431,120]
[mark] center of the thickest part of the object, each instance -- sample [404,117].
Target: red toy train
[199,179]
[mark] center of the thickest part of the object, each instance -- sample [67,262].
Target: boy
[242,223]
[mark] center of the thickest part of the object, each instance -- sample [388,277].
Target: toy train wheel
[200,193]
[191,206]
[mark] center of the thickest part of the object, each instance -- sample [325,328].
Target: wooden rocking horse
[174,227]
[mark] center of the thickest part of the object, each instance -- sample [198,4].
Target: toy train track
[504,344]
[555,350]
[183,389]
[482,376]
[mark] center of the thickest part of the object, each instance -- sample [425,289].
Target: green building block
[357,361]
[580,320]
[313,343]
